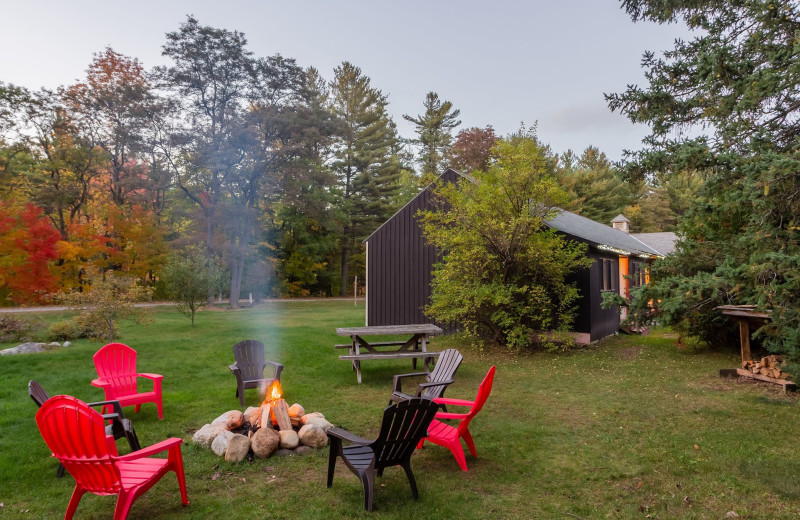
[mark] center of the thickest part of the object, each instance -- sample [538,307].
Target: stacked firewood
[769,366]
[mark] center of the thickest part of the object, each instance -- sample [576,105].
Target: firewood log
[265,422]
[281,412]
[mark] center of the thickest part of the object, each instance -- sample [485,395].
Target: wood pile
[769,366]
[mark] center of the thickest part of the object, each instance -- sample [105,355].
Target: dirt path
[55,308]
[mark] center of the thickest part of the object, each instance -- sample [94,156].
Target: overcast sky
[501,63]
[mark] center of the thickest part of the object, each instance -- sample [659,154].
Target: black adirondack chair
[404,425]
[435,382]
[249,367]
[120,426]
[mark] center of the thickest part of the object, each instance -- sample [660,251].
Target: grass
[629,428]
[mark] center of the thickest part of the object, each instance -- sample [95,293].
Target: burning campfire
[273,427]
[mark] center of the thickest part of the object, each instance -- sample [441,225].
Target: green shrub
[67,330]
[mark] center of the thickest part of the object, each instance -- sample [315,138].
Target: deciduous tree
[503,273]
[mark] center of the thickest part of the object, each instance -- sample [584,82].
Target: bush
[67,330]
[15,329]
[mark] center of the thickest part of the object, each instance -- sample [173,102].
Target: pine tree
[595,187]
[366,162]
[434,135]
[735,83]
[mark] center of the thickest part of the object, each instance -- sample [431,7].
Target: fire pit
[274,427]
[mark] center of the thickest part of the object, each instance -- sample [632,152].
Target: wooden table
[413,348]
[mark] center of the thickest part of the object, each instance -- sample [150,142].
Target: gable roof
[449,175]
[596,234]
[663,242]
[599,235]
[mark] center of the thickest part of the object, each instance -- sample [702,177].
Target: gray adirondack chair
[435,382]
[120,426]
[249,367]
[404,425]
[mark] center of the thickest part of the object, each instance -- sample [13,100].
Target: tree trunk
[345,258]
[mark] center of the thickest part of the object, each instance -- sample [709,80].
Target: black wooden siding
[399,266]
[400,262]
[603,321]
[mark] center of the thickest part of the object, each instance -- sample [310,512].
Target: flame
[273,393]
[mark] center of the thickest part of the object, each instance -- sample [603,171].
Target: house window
[637,274]
[608,273]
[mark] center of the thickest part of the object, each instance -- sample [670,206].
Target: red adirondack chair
[450,436]
[75,433]
[116,369]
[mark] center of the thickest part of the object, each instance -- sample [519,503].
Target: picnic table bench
[414,348]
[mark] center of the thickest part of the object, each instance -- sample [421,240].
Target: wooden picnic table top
[428,329]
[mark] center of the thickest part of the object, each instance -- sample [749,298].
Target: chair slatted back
[404,424]
[37,393]
[446,366]
[116,364]
[75,433]
[249,356]
[483,393]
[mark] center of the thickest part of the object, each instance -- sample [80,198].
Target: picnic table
[415,347]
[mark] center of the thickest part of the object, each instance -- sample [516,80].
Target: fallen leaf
[216,475]
[731,514]
[696,447]
[639,484]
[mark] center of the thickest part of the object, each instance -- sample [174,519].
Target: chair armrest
[101,383]
[346,436]
[114,404]
[152,450]
[234,369]
[396,381]
[438,383]
[456,402]
[154,377]
[277,366]
[450,415]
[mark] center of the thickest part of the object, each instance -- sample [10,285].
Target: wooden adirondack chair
[249,367]
[117,376]
[404,424]
[75,433]
[450,436]
[436,381]
[120,426]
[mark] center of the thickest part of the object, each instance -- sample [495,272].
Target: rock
[220,443]
[54,344]
[289,439]
[67,344]
[296,410]
[237,449]
[311,415]
[304,450]
[206,435]
[319,421]
[264,442]
[25,348]
[284,452]
[252,414]
[230,420]
[313,435]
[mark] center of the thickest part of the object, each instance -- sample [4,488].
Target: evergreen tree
[366,162]
[595,188]
[434,135]
[736,84]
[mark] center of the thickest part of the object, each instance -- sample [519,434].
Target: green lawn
[629,428]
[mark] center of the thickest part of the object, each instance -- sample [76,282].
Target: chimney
[621,223]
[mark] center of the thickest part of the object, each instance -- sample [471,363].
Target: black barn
[399,265]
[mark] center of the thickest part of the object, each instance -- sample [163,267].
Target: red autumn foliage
[27,245]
